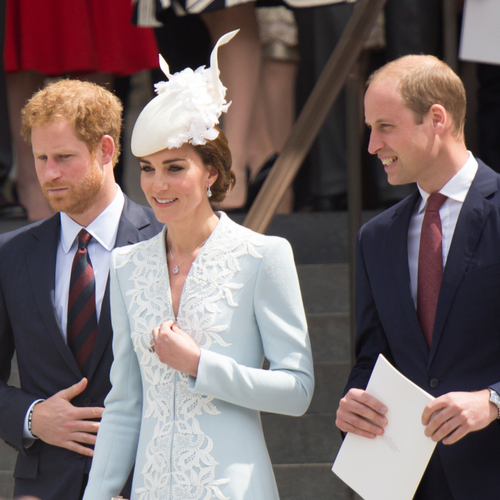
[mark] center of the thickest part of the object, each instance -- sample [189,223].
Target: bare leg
[104,79]
[279,83]
[259,145]
[239,63]
[273,117]
[274,111]
[20,87]
[279,79]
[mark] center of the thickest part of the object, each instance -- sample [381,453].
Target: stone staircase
[302,449]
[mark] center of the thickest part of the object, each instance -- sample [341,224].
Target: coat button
[87,402]
[434,383]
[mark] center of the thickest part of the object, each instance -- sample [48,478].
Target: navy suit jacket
[30,327]
[465,350]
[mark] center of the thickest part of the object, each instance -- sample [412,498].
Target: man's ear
[106,147]
[440,117]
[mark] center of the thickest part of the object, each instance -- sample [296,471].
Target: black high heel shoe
[258,181]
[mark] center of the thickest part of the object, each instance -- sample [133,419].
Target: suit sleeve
[370,336]
[287,386]
[14,401]
[118,434]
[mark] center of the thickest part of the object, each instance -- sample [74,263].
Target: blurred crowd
[270,69]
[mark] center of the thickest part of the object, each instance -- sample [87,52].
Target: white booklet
[480,38]
[389,466]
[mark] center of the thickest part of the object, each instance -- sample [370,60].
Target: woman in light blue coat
[195,311]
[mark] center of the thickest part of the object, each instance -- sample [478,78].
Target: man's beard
[77,198]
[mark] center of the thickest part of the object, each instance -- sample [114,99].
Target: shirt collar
[103,228]
[458,186]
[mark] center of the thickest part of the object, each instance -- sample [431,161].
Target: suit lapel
[41,265]
[132,221]
[398,244]
[470,224]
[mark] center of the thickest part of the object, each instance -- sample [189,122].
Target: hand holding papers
[391,465]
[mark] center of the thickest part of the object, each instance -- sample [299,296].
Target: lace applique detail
[179,464]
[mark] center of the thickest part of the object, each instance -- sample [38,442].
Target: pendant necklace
[175,270]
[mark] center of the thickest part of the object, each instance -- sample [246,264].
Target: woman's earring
[209,193]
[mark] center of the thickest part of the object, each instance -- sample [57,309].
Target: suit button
[87,402]
[434,383]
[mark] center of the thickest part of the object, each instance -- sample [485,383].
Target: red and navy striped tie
[82,319]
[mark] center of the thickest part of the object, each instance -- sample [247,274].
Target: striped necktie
[82,318]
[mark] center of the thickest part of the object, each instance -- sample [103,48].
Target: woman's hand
[176,348]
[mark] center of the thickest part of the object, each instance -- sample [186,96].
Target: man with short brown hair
[428,279]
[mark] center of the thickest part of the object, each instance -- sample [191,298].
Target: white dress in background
[201,438]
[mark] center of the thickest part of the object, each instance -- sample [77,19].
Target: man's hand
[452,416]
[356,409]
[56,421]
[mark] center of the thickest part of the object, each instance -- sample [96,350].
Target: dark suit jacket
[29,326]
[465,350]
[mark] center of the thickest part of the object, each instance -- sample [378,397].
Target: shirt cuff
[26,432]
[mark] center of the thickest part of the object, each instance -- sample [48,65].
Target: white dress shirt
[456,190]
[103,229]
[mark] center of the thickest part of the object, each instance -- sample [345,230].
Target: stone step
[312,438]
[316,237]
[329,333]
[331,379]
[296,439]
[325,287]
[330,348]
[311,482]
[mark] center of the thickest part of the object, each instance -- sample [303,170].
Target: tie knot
[435,202]
[83,239]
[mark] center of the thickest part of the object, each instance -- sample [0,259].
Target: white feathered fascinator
[186,109]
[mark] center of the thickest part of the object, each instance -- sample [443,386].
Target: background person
[92,40]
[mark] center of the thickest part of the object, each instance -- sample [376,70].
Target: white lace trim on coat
[179,464]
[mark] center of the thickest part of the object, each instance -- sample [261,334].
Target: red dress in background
[56,37]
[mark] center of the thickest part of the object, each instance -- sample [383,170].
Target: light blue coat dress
[201,438]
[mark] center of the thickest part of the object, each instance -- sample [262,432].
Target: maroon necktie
[82,319]
[430,265]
